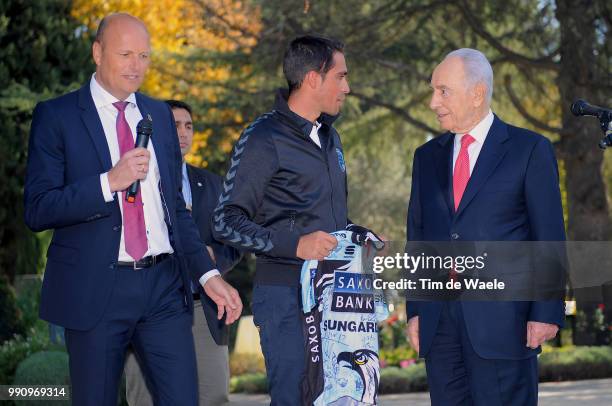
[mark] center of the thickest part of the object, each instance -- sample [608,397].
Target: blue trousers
[146,309]
[457,375]
[276,313]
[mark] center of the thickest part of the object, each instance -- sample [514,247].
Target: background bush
[397,380]
[13,351]
[10,316]
[249,383]
[43,368]
[575,363]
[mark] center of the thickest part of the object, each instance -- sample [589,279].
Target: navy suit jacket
[512,195]
[205,190]
[67,153]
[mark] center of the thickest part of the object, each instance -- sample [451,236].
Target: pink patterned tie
[461,175]
[134,230]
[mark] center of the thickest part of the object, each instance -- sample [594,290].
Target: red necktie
[134,230]
[461,174]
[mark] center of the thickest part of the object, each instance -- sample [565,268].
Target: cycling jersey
[341,314]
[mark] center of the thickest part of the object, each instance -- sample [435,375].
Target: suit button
[116,228]
[455,236]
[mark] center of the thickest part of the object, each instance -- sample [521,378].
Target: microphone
[144,131]
[582,108]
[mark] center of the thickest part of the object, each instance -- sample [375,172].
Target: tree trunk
[588,216]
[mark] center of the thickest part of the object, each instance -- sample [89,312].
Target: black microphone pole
[144,131]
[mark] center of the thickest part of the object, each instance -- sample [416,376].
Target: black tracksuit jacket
[280,185]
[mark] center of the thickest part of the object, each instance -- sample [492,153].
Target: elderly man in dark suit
[483,180]
[118,272]
[201,190]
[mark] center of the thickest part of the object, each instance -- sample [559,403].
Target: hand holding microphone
[134,164]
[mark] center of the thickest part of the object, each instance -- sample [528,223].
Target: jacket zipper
[326,159]
[331,184]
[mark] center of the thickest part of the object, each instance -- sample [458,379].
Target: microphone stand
[605,121]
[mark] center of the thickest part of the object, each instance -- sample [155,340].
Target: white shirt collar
[481,130]
[102,98]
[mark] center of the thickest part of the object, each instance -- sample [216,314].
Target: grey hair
[477,69]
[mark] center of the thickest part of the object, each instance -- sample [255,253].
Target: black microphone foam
[144,130]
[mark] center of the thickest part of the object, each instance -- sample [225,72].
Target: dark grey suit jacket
[205,190]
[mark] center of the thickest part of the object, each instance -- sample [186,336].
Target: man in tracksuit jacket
[284,192]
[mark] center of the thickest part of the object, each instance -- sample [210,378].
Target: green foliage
[396,380]
[10,317]
[574,363]
[392,333]
[43,368]
[41,54]
[17,349]
[397,357]
[28,300]
[249,383]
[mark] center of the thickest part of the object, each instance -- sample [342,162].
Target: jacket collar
[295,120]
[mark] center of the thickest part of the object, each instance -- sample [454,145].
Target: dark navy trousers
[146,309]
[458,376]
[277,315]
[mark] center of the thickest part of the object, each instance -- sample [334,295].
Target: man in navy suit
[201,190]
[117,271]
[483,180]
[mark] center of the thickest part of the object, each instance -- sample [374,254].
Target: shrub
[574,363]
[10,315]
[396,380]
[249,383]
[43,368]
[27,288]
[14,351]
[393,357]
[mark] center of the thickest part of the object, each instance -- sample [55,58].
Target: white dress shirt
[157,231]
[314,133]
[480,134]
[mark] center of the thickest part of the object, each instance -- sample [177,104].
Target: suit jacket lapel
[490,156]
[443,164]
[91,119]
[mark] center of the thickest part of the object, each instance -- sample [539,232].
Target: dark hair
[177,104]
[309,53]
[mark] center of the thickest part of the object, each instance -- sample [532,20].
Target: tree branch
[226,22]
[517,105]
[399,111]
[545,62]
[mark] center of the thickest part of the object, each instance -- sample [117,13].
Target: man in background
[201,190]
